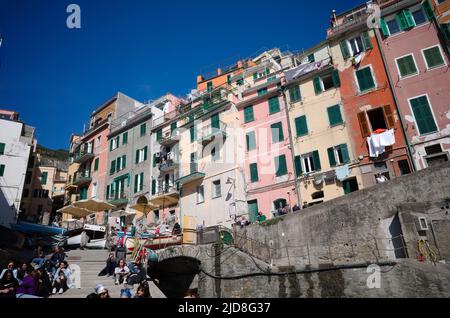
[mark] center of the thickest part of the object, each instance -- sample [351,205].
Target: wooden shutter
[423,116]
[2,170]
[136,183]
[298,166]
[145,153]
[409,19]
[117,141]
[159,134]
[251,142]
[124,161]
[173,127]
[96,164]
[363,123]
[118,163]
[277,132]
[294,94]
[125,138]
[316,159]
[154,160]
[317,85]
[384,28]
[389,116]
[274,105]
[111,145]
[141,184]
[428,10]
[344,49]
[107,192]
[254,172]
[215,122]
[113,167]
[2,148]
[402,20]
[334,115]
[137,157]
[344,151]
[153,187]
[280,166]
[366,40]
[331,157]
[301,126]
[336,79]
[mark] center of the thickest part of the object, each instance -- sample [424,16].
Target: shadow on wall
[7,212]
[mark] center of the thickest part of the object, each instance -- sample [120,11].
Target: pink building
[418,68]
[269,169]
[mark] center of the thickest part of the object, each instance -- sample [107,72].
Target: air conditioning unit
[422,223]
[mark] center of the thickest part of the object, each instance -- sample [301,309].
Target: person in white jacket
[121,272]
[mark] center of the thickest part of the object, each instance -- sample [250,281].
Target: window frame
[431,110]
[440,52]
[310,159]
[415,65]
[360,92]
[213,192]
[198,194]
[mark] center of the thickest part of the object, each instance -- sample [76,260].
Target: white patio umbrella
[94,205]
[75,211]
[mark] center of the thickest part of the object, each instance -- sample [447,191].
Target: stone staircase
[91,262]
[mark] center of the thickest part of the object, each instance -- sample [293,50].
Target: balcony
[350,21]
[194,175]
[83,156]
[118,199]
[169,138]
[167,196]
[167,166]
[215,130]
[82,178]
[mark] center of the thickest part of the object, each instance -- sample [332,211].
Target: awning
[120,213]
[75,211]
[143,208]
[165,199]
[94,205]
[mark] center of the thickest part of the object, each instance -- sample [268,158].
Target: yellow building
[322,148]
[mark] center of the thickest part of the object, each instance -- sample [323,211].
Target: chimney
[240,64]
[199,79]
[219,71]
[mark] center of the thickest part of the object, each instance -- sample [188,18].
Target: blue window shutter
[331,157]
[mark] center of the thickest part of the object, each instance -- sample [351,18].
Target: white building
[16,144]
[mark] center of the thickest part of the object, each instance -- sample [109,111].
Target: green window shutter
[159,134]
[406,66]
[344,151]
[125,138]
[193,133]
[136,183]
[301,126]
[173,127]
[107,191]
[248,114]
[336,79]
[429,12]
[255,76]
[118,141]
[433,57]
[124,161]
[334,115]
[215,121]
[254,172]
[262,91]
[317,85]
[153,187]
[344,49]
[229,79]
[154,160]
[298,166]
[209,86]
[294,94]
[422,114]
[111,145]
[280,166]
[384,28]
[267,71]
[331,157]
[143,129]
[251,140]
[316,159]
[2,148]
[274,105]
[401,17]
[365,79]
[118,163]
[366,40]
[277,132]
[145,153]
[2,170]
[44,177]
[96,164]
[141,185]
[113,167]
[409,19]
[311,58]
[136,160]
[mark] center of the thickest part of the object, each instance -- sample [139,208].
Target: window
[193,133]
[356,45]
[300,126]
[294,94]
[200,194]
[96,164]
[262,91]
[114,143]
[311,58]
[350,185]
[311,162]
[215,154]
[433,57]
[44,176]
[274,105]
[365,79]
[141,155]
[334,115]
[112,170]
[216,190]
[338,155]
[326,82]
[2,148]
[94,190]
[393,26]
[423,115]
[159,134]
[406,66]
[209,86]
[248,114]
[251,140]
[143,129]
[419,16]
[435,155]
[125,138]
[254,172]
[277,132]
[403,165]
[378,118]
[2,170]
[280,166]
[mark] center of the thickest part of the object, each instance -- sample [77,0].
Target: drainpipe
[383,58]
[297,187]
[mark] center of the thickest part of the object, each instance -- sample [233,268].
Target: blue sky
[55,76]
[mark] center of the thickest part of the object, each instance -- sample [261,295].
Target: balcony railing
[213,130]
[82,178]
[83,156]
[167,165]
[118,199]
[165,189]
[194,174]
[351,20]
[169,138]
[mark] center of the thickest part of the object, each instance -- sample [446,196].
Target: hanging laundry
[387,138]
[375,147]
[318,179]
[342,172]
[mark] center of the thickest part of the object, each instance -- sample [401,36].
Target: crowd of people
[261,217]
[38,278]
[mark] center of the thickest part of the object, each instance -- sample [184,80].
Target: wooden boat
[78,240]
[163,241]
[34,228]
[96,244]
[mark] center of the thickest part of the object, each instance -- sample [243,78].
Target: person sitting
[137,272]
[61,282]
[57,257]
[121,272]
[176,229]
[110,266]
[22,271]
[27,285]
[44,285]
[244,221]
[9,267]
[143,291]
[39,261]
[8,285]
[296,208]
[125,293]
[261,217]
[102,292]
